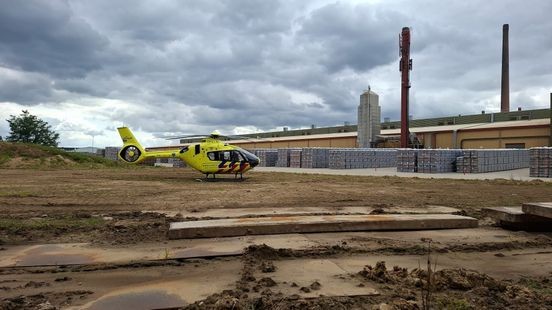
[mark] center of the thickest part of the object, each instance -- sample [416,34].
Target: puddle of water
[139,300]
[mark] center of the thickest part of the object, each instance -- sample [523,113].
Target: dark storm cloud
[357,37]
[193,65]
[45,36]
[26,89]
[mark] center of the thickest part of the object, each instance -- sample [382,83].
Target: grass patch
[17,194]
[543,287]
[51,156]
[13,226]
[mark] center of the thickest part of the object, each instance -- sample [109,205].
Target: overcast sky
[190,67]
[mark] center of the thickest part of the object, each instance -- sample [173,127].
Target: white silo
[369,119]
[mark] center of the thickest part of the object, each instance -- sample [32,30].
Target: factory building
[517,129]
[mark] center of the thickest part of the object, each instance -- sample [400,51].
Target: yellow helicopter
[211,156]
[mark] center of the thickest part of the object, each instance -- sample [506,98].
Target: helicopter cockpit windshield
[250,157]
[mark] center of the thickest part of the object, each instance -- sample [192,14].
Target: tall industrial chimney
[405,66]
[505,85]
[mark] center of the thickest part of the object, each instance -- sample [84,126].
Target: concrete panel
[543,209]
[312,224]
[515,218]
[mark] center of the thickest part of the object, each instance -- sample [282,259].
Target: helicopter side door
[224,161]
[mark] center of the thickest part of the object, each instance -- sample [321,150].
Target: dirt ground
[103,207]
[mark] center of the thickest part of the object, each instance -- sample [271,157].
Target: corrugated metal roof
[524,123]
[294,138]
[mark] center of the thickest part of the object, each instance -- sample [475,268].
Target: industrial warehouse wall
[498,138]
[530,137]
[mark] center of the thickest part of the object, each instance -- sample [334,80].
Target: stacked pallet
[112,152]
[407,160]
[295,158]
[362,158]
[437,161]
[268,157]
[315,158]
[283,158]
[176,162]
[479,161]
[336,159]
[540,165]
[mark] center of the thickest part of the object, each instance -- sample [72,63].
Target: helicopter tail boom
[133,152]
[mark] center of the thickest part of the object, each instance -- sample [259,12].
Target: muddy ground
[103,207]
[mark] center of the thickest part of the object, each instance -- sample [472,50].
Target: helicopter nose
[254,162]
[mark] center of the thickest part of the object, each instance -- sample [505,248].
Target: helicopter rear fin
[132,151]
[127,137]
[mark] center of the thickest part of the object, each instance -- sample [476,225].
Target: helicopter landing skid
[215,179]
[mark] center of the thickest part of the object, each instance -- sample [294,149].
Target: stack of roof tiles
[540,165]
[437,161]
[407,160]
[315,158]
[111,152]
[362,158]
[295,158]
[478,161]
[268,157]
[284,157]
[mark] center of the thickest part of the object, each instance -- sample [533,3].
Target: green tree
[30,129]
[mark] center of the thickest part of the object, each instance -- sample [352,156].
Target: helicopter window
[197,149]
[226,155]
[236,156]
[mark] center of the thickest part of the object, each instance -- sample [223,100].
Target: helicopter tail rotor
[132,151]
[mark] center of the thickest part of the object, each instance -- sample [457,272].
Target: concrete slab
[156,288]
[48,254]
[87,254]
[515,218]
[284,211]
[543,209]
[312,224]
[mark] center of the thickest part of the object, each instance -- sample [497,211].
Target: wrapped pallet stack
[540,165]
[283,158]
[437,161]
[112,152]
[480,161]
[295,158]
[315,157]
[362,158]
[407,160]
[268,157]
